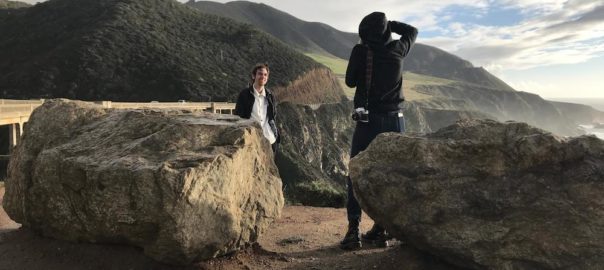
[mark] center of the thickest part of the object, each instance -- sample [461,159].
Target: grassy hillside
[4,4]
[317,38]
[411,81]
[337,65]
[11,7]
[309,37]
[428,60]
[135,50]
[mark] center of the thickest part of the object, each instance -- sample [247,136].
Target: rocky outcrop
[183,185]
[432,114]
[314,152]
[317,86]
[581,114]
[489,195]
[507,105]
[315,147]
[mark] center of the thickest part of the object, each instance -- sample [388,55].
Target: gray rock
[315,147]
[314,152]
[509,105]
[183,185]
[488,195]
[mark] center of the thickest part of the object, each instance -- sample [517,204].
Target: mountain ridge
[317,37]
[291,30]
[126,50]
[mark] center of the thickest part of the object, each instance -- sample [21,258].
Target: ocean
[589,129]
[596,103]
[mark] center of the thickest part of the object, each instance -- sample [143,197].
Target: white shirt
[259,111]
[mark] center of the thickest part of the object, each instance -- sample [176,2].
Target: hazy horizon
[553,48]
[596,103]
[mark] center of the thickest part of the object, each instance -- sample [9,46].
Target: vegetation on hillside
[337,65]
[5,4]
[314,87]
[309,37]
[135,50]
[321,39]
[410,84]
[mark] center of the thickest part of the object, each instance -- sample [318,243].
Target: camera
[360,115]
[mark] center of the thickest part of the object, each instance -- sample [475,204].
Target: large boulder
[315,146]
[183,185]
[488,195]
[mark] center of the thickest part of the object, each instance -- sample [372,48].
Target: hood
[374,29]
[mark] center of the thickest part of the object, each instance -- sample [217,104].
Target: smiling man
[258,103]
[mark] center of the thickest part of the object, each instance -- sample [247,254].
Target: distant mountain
[321,38]
[424,59]
[141,50]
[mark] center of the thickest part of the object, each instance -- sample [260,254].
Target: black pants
[364,133]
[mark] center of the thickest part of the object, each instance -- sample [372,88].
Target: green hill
[138,50]
[309,37]
[4,4]
[11,7]
[321,39]
[428,60]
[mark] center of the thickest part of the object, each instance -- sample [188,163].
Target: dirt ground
[303,238]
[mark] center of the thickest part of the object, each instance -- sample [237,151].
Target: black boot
[352,239]
[377,236]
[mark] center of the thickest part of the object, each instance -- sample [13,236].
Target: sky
[553,48]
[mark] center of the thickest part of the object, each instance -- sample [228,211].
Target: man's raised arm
[408,34]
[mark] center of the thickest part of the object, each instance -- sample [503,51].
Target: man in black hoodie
[375,69]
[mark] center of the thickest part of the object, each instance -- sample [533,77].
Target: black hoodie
[385,93]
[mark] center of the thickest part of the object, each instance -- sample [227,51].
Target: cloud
[585,21]
[345,15]
[566,32]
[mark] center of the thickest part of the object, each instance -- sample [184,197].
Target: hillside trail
[303,238]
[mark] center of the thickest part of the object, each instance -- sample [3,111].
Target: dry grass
[316,86]
[410,83]
[337,65]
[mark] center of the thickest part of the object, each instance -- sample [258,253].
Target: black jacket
[245,103]
[385,93]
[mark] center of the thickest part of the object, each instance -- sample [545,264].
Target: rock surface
[314,152]
[183,185]
[488,195]
[506,105]
[315,146]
